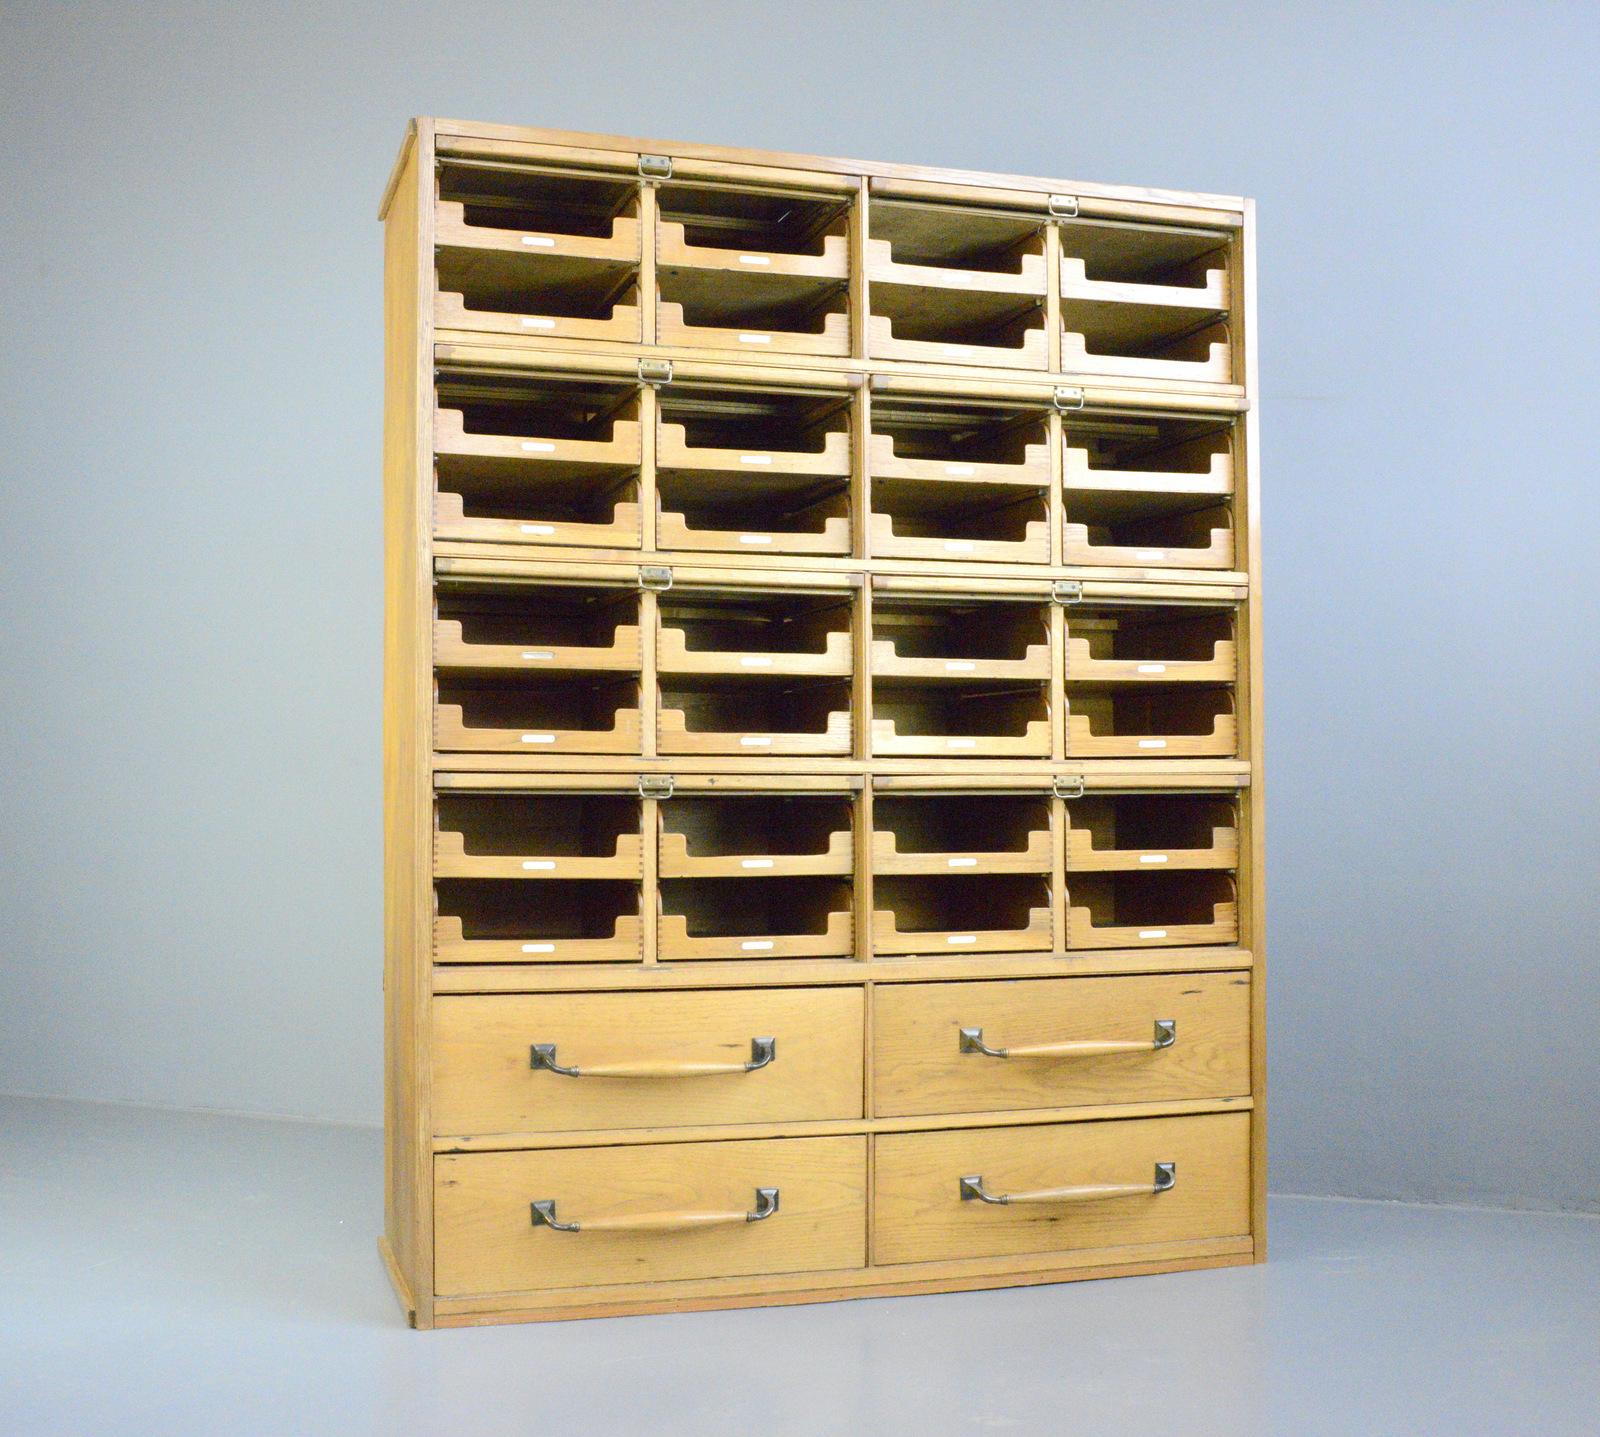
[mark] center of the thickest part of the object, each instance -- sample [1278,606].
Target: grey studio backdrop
[192,576]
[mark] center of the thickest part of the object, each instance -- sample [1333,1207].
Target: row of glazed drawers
[584,1217]
[565,1062]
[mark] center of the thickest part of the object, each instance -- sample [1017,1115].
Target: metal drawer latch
[655,577]
[655,371]
[1064,207]
[655,785]
[1065,591]
[655,167]
[1067,397]
[1067,785]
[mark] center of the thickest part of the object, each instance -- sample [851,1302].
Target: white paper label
[533,322]
[1150,556]
[959,469]
[539,241]
[537,528]
[755,863]
[1152,932]
[1152,668]
[1152,858]
[755,459]
[532,654]
[958,546]
[538,947]
[538,738]
[957,348]
[755,259]
[963,743]
[963,862]
[757,945]
[538,446]
[755,538]
[755,339]
[539,865]
[1152,743]
[756,661]
[959,666]
[962,938]
[751,741]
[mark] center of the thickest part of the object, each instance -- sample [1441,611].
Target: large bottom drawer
[581,1217]
[1058,1188]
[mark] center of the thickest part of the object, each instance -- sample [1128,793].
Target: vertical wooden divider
[649,291]
[650,884]
[1052,301]
[649,686]
[1059,897]
[860,475]
[860,295]
[1058,680]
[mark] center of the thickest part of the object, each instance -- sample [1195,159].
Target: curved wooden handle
[543,1055]
[1166,1178]
[544,1215]
[1166,1034]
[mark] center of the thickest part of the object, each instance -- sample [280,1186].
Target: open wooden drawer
[1152,832]
[553,253]
[947,439]
[753,470]
[1155,720]
[954,519]
[960,717]
[526,713]
[537,836]
[755,917]
[1148,489]
[1157,909]
[753,271]
[948,638]
[490,920]
[956,285]
[754,714]
[1115,644]
[536,627]
[962,913]
[537,460]
[972,833]
[756,835]
[756,631]
[1145,301]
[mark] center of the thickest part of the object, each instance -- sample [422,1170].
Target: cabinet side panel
[407,772]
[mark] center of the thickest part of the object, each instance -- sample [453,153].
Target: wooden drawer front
[484,1080]
[486,1239]
[921,1215]
[923,1065]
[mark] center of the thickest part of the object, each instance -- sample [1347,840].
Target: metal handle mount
[543,1055]
[544,1215]
[1166,1034]
[1166,1178]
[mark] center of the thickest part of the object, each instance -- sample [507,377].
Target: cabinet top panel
[898,181]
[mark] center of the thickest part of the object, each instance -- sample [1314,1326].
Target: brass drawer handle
[544,1215]
[1166,1035]
[1166,1179]
[762,1052]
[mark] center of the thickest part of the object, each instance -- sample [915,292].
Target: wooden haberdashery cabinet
[822,752]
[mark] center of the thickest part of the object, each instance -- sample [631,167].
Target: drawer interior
[778,302]
[1154,453]
[1155,522]
[957,434]
[758,512]
[975,241]
[538,826]
[760,830]
[755,624]
[756,908]
[756,704]
[723,217]
[1153,634]
[966,824]
[940,904]
[497,195]
[1151,904]
[1151,712]
[1122,253]
[540,702]
[1106,829]
[953,514]
[985,709]
[965,317]
[584,908]
[752,430]
[955,629]
[555,616]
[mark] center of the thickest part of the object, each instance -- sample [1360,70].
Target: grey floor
[176,1273]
